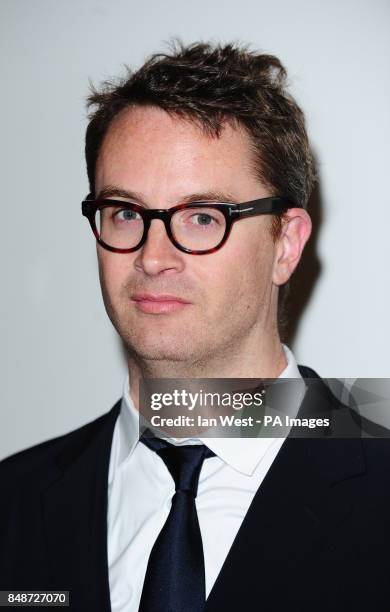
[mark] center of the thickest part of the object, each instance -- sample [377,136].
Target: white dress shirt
[140,490]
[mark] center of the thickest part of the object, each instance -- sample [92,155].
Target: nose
[158,254]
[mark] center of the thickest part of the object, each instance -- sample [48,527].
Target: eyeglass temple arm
[272,205]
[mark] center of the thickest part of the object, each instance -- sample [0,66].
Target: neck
[264,358]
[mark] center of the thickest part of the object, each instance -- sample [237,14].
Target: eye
[202,218]
[126,214]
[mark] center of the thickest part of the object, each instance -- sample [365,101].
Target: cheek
[240,274]
[259,253]
[113,273]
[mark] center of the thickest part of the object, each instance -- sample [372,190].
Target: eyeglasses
[197,228]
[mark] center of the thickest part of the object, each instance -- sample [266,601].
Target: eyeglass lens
[197,229]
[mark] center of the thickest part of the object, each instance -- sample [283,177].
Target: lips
[149,297]
[158,304]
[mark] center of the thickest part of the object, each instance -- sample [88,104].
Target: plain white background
[61,362]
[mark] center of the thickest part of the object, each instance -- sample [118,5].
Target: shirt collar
[242,454]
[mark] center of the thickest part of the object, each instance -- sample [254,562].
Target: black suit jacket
[316,535]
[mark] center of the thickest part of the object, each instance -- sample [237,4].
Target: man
[200,172]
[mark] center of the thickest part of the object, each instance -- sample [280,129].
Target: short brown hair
[211,84]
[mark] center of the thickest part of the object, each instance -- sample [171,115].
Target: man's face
[230,293]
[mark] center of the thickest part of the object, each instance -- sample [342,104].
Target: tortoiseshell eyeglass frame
[273,205]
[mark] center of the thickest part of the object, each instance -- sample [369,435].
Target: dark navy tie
[175,576]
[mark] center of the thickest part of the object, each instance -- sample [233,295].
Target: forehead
[147,149]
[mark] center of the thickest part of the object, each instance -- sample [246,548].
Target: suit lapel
[301,499]
[75,516]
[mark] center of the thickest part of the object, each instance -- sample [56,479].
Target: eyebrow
[112,191]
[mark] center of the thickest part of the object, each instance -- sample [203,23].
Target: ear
[296,229]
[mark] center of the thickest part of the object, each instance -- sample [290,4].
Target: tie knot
[183,462]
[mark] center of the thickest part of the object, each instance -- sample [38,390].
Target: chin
[166,349]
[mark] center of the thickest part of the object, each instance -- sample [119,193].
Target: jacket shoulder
[35,458]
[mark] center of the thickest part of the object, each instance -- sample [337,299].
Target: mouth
[158,304]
